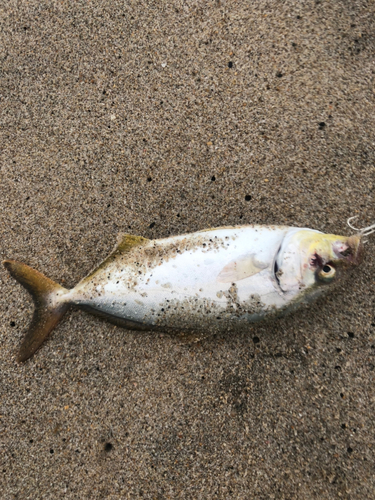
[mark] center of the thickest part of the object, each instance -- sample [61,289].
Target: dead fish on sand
[211,280]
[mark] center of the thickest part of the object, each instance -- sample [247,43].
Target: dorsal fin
[125,243]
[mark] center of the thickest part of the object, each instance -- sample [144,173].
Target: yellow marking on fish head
[308,258]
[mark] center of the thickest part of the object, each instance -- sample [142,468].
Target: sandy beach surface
[165,117]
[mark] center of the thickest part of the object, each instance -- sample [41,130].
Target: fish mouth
[351,252]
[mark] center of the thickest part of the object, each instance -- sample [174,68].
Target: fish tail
[50,305]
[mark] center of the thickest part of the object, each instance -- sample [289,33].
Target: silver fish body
[213,279]
[209,278]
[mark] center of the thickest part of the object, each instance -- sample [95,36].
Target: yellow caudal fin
[50,305]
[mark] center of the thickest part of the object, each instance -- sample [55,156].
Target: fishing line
[365,231]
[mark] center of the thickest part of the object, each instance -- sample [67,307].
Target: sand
[159,118]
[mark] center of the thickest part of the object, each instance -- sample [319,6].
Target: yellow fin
[125,243]
[50,305]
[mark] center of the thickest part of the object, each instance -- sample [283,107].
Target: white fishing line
[365,231]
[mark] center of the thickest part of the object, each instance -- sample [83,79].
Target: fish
[212,280]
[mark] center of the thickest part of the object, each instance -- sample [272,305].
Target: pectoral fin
[242,267]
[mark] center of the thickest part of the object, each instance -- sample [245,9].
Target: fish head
[309,260]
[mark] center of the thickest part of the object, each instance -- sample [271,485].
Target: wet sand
[162,119]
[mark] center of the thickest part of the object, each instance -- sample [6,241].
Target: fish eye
[327,272]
